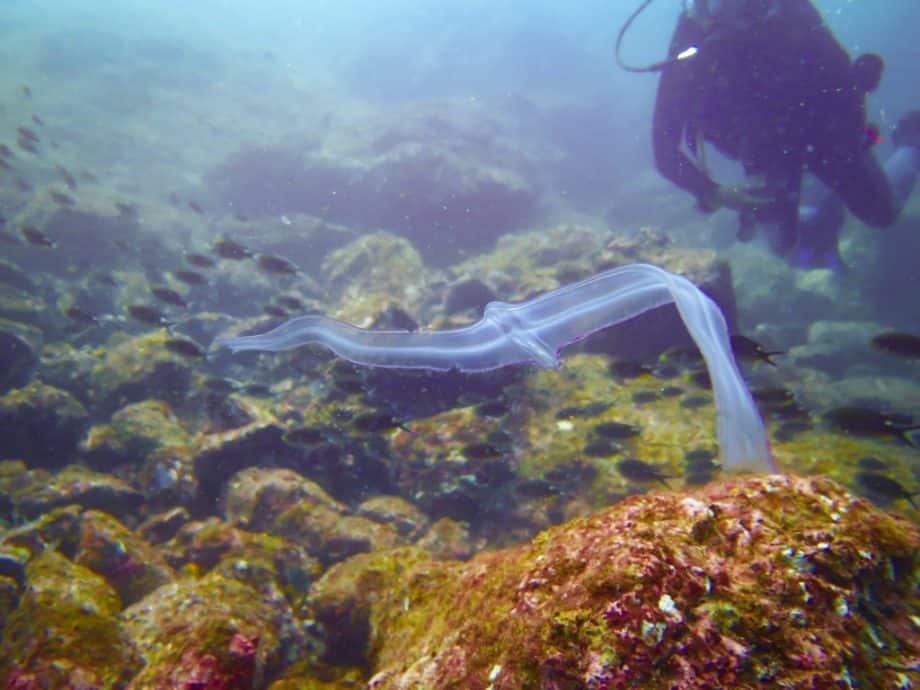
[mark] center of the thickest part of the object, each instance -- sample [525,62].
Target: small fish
[601,449]
[37,237]
[65,175]
[645,397]
[61,199]
[190,277]
[269,263]
[593,409]
[773,396]
[6,151]
[863,421]
[377,421]
[274,310]
[899,344]
[37,120]
[884,487]
[103,278]
[628,369]
[80,315]
[694,402]
[872,464]
[185,347]
[701,378]
[167,295]
[7,238]
[196,207]
[291,303]
[220,386]
[22,185]
[27,134]
[4,165]
[257,390]
[126,209]
[672,392]
[700,457]
[200,260]
[88,176]
[305,436]
[27,145]
[789,430]
[26,91]
[481,451]
[636,470]
[616,431]
[745,348]
[228,249]
[148,315]
[493,408]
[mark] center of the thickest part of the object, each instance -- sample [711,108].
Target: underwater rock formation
[780,580]
[41,424]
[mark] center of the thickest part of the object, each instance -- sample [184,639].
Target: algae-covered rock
[108,548]
[133,432]
[41,424]
[408,520]
[65,633]
[774,580]
[213,632]
[17,360]
[137,369]
[76,485]
[167,477]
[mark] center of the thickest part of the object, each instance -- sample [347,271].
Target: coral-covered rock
[41,424]
[65,633]
[137,369]
[77,485]
[133,432]
[215,632]
[108,548]
[779,580]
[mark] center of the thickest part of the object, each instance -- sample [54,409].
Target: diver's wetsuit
[780,97]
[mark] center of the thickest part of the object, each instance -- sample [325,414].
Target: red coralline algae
[774,580]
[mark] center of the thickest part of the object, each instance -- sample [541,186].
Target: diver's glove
[742,198]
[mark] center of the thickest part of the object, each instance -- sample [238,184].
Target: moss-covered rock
[77,485]
[779,580]
[108,548]
[41,424]
[133,432]
[65,632]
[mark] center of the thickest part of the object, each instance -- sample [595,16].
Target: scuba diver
[767,84]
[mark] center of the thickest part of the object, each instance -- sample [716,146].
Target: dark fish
[126,209]
[65,175]
[471,294]
[694,402]
[37,120]
[645,397]
[899,344]
[681,356]
[269,263]
[240,217]
[863,421]
[88,176]
[61,199]
[789,411]
[745,348]
[148,315]
[672,392]
[482,451]
[27,145]
[636,470]
[305,436]
[493,408]
[168,295]
[393,319]
[26,91]
[666,371]
[593,409]
[883,487]
[872,464]
[616,431]
[228,249]
[274,310]
[6,151]
[289,302]
[701,379]
[535,488]
[22,185]
[37,237]
[5,166]
[7,238]
[628,369]
[217,385]
[196,207]
[257,390]
[103,278]
[200,260]
[371,422]
[80,315]
[185,347]
[27,134]
[772,396]
[700,457]
[601,449]
[789,430]
[190,277]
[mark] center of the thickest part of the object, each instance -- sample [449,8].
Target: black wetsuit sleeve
[677,88]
